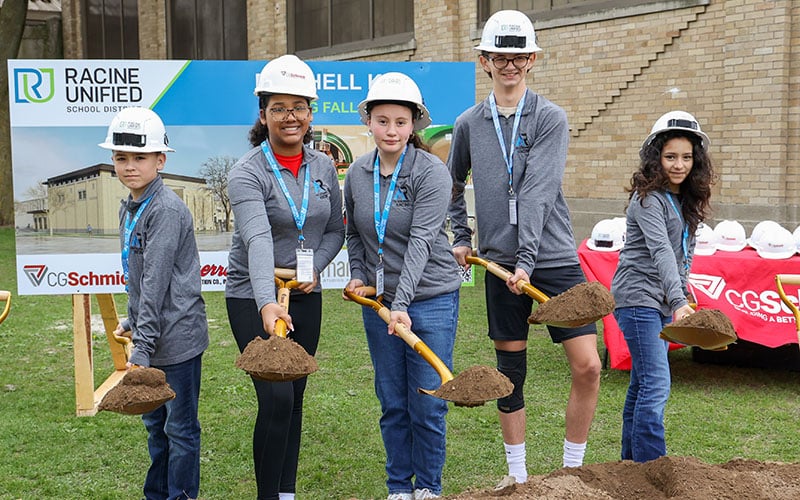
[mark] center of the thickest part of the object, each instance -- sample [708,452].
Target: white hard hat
[777,243]
[622,223]
[706,240]
[396,86]
[677,120]
[759,231]
[796,235]
[508,32]
[287,75]
[730,236]
[606,236]
[137,130]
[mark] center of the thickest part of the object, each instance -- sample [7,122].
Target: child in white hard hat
[396,200]
[166,312]
[669,198]
[524,225]
[288,211]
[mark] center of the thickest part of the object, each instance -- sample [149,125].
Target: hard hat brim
[132,149]
[508,50]
[699,133]
[420,123]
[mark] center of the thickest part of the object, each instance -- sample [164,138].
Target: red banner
[740,284]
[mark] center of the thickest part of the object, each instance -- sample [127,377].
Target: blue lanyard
[685,239]
[507,156]
[382,219]
[126,236]
[299,217]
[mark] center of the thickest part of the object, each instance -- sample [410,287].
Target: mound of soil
[580,305]
[683,478]
[475,386]
[141,390]
[707,328]
[276,359]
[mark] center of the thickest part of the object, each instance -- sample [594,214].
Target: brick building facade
[729,62]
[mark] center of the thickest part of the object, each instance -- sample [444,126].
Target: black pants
[276,436]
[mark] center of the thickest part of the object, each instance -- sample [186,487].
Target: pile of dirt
[475,386]
[707,328]
[582,304]
[276,359]
[141,390]
[683,478]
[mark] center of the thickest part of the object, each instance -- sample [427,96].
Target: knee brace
[513,365]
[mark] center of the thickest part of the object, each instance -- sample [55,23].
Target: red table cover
[740,284]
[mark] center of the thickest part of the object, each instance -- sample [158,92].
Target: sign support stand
[87,398]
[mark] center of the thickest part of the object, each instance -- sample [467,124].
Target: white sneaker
[400,496]
[424,494]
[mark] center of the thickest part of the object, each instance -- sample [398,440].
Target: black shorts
[508,313]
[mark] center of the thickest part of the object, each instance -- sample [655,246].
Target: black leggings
[276,437]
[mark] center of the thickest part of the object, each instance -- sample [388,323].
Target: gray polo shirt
[417,258]
[166,312]
[543,235]
[651,270]
[265,234]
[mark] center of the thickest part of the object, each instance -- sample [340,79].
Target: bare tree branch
[215,171]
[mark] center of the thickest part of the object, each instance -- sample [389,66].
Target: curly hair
[695,191]
[259,132]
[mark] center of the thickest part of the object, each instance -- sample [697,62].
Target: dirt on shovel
[474,386]
[276,359]
[582,304]
[140,391]
[708,329]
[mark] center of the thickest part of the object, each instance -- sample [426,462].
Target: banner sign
[67,195]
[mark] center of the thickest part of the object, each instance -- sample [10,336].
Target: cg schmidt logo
[35,273]
[708,284]
[33,85]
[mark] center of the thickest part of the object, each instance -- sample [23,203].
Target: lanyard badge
[305,257]
[508,156]
[130,224]
[381,218]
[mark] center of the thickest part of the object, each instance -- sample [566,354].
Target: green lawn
[715,413]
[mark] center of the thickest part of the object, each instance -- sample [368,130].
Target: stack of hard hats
[706,240]
[731,236]
[608,235]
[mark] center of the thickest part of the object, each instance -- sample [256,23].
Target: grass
[715,413]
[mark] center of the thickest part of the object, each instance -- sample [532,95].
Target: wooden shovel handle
[504,274]
[402,331]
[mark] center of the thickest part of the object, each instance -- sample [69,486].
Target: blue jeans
[643,416]
[174,436]
[413,424]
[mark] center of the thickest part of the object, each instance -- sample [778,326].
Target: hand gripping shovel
[278,358]
[579,306]
[789,279]
[474,387]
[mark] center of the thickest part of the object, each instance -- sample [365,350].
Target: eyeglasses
[500,62]
[280,114]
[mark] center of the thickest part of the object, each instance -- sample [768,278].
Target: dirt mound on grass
[277,359]
[475,386]
[141,390]
[683,478]
[590,300]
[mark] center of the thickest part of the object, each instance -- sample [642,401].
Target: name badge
[379,279]
[305,265]
[512,211]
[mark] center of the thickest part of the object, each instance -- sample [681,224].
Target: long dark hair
[695,191]
[259,132]
[414,139]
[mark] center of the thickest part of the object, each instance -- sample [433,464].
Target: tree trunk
[12,24]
